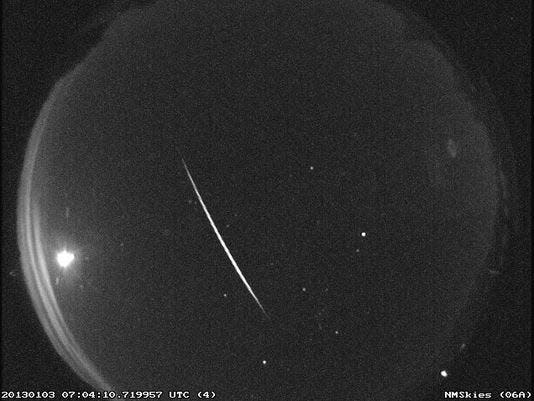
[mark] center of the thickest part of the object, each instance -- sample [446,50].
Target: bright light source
[444,373]
[64,258]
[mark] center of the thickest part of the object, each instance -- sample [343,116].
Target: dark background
[40,41]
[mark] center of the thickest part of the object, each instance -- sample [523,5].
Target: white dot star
[64,258]
[444,373]
[264,362]
[363,234]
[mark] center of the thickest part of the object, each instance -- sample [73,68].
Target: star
[64,258]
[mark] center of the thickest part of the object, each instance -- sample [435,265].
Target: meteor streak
[232,260]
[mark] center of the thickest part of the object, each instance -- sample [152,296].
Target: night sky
[268,200]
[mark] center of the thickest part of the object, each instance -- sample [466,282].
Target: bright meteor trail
[234,263]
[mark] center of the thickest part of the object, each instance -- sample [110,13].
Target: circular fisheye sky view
[298,200]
